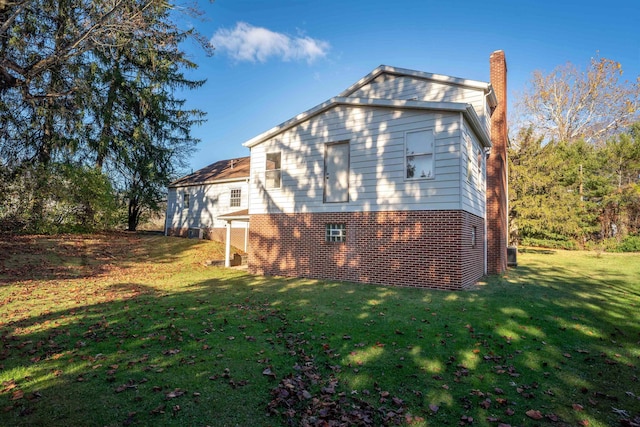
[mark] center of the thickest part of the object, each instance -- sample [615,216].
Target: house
[196,203]
[399,180]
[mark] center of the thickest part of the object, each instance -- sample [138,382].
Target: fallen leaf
[577,407]
[175,393]
[434,408]
[158,409]
[534,414]
[486,404]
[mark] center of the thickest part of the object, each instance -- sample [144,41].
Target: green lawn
[126,329]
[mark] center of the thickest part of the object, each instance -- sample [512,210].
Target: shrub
[629,244]
[548,243]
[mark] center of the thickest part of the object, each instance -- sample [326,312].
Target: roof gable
[383,71]
[220,171]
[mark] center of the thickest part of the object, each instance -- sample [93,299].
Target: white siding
[377,163]
[206,202]
[473,178]
[405,88]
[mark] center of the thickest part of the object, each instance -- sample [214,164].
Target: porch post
[227,246]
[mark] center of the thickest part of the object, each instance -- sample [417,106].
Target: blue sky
[275,59]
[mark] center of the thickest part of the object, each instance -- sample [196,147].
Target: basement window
[336,232]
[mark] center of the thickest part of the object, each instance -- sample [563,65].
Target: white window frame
[276,172]
[335,232]
[470,153]
[235,197]
[424,154]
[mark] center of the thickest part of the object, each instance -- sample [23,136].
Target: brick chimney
[497,180]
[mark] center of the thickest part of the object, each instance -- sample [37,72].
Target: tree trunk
[134,215]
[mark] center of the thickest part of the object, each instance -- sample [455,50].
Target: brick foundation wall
[431,249]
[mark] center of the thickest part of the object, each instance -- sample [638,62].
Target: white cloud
[248,43]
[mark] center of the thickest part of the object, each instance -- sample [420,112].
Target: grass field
[125,329]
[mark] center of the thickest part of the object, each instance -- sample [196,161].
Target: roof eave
[215,181]
[476,125]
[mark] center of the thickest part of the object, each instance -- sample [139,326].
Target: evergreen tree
[91,83]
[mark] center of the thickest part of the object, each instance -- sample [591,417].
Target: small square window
[185,201]
[236,197]
[336,232]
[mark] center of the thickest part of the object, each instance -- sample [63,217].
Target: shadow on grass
[540,339]
[536,251]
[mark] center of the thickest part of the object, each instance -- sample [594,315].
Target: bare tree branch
[569,104]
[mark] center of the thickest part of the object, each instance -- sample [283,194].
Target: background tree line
[91,130]
[575,160]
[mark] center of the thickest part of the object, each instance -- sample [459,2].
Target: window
[236,195]
[185,201]
[419,154]
[336,233]
[336,172]
[273,173]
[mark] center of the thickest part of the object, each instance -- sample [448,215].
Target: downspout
[506,226]
[486,228]
[246,229]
